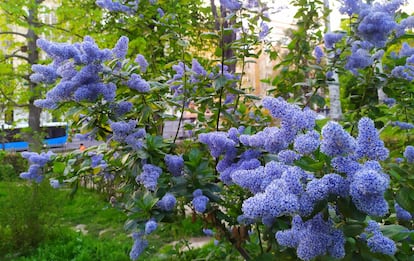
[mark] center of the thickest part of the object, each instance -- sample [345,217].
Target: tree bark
[33,58]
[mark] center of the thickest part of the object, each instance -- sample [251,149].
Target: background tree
[20,29]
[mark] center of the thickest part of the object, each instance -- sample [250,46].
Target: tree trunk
[34,137]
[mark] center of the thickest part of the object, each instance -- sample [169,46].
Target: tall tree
[20,29]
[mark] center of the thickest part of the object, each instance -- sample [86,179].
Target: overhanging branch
[15,104]
[14,33]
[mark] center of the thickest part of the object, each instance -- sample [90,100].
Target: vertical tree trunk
[335,112]
[33,57]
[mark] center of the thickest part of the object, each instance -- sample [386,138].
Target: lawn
[41,223]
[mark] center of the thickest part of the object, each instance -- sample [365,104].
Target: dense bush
[11,165]
[265,175]
[28,217]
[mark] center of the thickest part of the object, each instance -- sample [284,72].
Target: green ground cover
[39,223]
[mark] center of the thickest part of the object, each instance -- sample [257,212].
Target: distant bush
[28,214]
[11,165]
[71,245]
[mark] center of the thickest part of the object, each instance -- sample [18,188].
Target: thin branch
[39,24]
[15,33]
[10,100]
[6,57]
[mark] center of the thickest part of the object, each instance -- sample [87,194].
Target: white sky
[285,15]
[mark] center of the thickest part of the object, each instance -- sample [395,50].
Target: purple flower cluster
[281,197]
[292,121]
[121,108]
[232,5]
[218,142]
[36,161]
[318,52]
[79,66]
[369,144]
[150,226]
[199,201]
[138,247]
[401,213]
[315,237]
[175,164]
[184,74]
[409,154]
[336,141]
[137,83]
[142,62]
[367,189]
[167,202]
[403,125]
[97,161]
[307,143]
[332,38]
[128,132]
[149,176]
[378,243]
[116,6]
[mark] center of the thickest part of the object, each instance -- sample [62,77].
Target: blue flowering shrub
[264,175]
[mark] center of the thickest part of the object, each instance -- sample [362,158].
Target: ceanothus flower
[199,201]
[350,7]
[249,179]
[97,160]
[167,202]
[264,30]
[376,27]
[44,73]
[315,237]
[318,52]
[81,84]
[347,165]
[54,183]
[175,164]
[217,142]
[143,64]
[208,232]
[378,243]
[281,197]
[332,38]
[149,176]
[36,161]
[114,6]
[360,58]
[121,108]
[232,5]
[138,247]
[137,83]
[121,48]
[336,141]
[369,144]
[403,125]
[288,156]
[160,12]
[329,184]
[389,102]
[367,189]
[227,169]
[150,226]
[409,154]
[401,213]
[307,143]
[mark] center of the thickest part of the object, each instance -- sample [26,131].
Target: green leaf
[59,167]
[396,232]
[210,35]
[220,82]
[404,199]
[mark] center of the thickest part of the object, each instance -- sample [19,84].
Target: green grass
[105,238]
